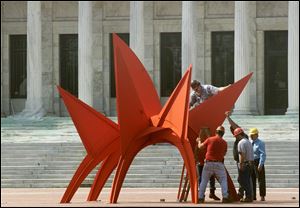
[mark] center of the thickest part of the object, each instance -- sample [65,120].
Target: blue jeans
[211,180]
[217,169]
[245,181]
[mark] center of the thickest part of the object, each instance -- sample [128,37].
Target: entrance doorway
[276,80]
[222,61]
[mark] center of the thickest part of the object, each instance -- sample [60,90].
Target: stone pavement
[135,197]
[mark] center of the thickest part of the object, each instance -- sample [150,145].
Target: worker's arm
[231,122]
[241,151]
[202,145]
[223,88]
[242,159]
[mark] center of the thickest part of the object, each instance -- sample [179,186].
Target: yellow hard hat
[253,131]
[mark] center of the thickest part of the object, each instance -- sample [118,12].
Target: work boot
[226,200]
[240,196]
[213,196]
[201,200]
[246,200]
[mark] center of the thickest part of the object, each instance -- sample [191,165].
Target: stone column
[188,37]
[34,103]
[293,58]
[137,28]
[141,32]
[85,48]
[244,34]
[2,7]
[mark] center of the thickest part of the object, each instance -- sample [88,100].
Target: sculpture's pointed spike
[175,111]
[137,99]
[211,113]
[134,69]
[95,130]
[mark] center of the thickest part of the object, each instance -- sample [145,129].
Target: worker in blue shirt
[259,161]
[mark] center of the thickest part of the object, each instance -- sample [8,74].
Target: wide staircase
[46,154]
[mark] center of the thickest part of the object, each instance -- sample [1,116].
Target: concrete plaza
[135,197]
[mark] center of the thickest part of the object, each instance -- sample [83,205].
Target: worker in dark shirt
[243,155]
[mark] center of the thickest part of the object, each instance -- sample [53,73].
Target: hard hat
[220,128]
[237,131]
[253,131]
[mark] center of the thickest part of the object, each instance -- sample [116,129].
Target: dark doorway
[125,38]
[276,80]
[18,66]
[222,61]
[170,62]
[68,62]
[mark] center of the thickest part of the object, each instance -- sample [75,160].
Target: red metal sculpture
[141,122]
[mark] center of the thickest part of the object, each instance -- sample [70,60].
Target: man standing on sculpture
[202,92]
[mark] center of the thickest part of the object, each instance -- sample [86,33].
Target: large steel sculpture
[142,121]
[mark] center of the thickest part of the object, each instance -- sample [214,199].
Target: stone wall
[61,18]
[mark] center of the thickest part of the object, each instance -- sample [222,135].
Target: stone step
[127,183]
[147,151]
[143,167]
[131,180]
[75,164]
[162,170]
[131,185]
[129,175]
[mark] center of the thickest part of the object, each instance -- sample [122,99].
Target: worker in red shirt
[200,157]
[216,148]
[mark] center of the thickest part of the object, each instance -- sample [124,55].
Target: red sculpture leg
[120,176]
[180,184]
[86,166]
[190,164]
[174,115]
[107,167]
[231,189]
[97,150]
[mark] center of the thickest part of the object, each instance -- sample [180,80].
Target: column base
[292,111]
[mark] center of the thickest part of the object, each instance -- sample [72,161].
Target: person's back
[216,148]
[245,147]
[214,163]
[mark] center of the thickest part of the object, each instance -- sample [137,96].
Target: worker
[200,157]
[202,92]
[216,148]
[259,161]
[243,154]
